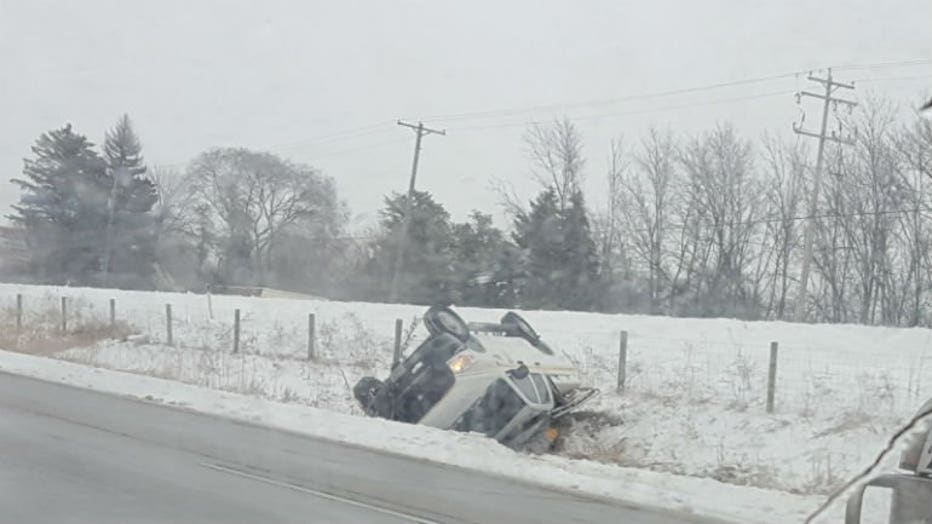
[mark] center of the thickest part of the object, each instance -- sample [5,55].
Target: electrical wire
[336,137]
[881,65]
[362,148]
[610,101]
[384,126]
[658,94]
[634,112]
[892,78]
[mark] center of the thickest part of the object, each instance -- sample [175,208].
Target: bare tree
[784,192]
[254,198]
[508,198]
[556,155]
[914,144]
[870,181]
[648,198]
[173,209]
[727,194]
[832,253]
[607,224]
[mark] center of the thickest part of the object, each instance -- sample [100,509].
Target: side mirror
[910,499]
[521,372]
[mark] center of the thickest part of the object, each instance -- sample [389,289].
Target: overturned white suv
[500,380]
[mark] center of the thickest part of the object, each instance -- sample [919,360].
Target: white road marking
[321,494]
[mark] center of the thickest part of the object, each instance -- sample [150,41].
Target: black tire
[443,320]
[366,391]
[524,328]
[526,332]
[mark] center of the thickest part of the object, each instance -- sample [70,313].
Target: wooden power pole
[420,131]
[830,85]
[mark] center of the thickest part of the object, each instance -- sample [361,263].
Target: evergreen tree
[63,207]
[481,263]
[538,234]
[560,264]
[582,289]
[427,275]
[132,195]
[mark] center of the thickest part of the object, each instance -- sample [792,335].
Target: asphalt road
[69,455]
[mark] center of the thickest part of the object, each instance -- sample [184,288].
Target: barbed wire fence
[804,379]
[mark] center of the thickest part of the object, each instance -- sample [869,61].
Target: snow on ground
[693,405]
[693,495]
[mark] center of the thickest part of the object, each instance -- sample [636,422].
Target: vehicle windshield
[533,388]
[490,414]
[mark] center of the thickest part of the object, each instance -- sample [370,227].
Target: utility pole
[830,86]
[420,131]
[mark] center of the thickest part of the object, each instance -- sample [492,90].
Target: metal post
[311,349]
[622,360]
[772,377]
[236,331]
[64,314]
[169,338]
[210,304]
[112,313]
[19,312]
[396,356]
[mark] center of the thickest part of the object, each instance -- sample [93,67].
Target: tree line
[708,224]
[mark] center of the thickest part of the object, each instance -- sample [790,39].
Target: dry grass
[41,333]
[50,343]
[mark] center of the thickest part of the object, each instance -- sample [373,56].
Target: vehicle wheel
[365,392]
[526,331]
[524,328]
[443,320]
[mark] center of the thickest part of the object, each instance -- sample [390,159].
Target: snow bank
[699,496]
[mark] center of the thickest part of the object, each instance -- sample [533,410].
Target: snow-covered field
[693,405]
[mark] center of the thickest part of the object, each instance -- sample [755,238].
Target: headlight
[460,362]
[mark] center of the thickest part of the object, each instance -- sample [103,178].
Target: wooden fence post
[169,337]
[772,377]
[236,331]
[311,349]
[19,312]
[622,360]
[112,313]
[396,356]
[210,304]
[64,314]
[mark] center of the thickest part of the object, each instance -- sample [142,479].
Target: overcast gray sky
[323,82]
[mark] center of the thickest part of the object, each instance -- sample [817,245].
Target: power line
[610,101]
[383,126]
[361,148]
[667,108]
[881,65]
[659,94]
[892,78]
[782,92]
[320,155]
[380,127]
